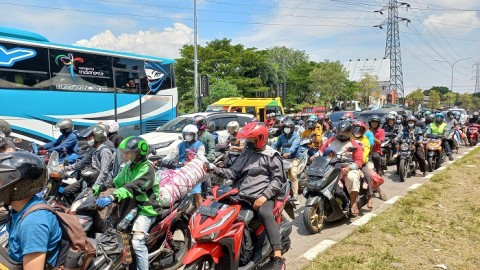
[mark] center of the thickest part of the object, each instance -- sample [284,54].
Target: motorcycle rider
[265,186]
[475,119]
[289,143]
[98,160]
[137,181]
[113,135]
[67,143]
[358,132]
[415,132]
[6,129]
[211,129]
[236,144]
[209,142]
[188,149]
[379,137]
[392,126]
[439,128]
[313,131]
[36,240]
[270,120]
[351,174]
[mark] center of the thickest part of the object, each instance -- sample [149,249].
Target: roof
[212,113]
[33,39]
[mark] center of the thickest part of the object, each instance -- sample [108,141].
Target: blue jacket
[68,143]
[293,139]
[182,149]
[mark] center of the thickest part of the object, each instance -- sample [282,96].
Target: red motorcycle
[473,134]
[221,228]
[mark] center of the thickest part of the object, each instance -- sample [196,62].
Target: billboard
[357,69]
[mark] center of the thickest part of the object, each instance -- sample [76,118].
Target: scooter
[221,228]
[303,161]
[473,134]
[407,164]
[387,150]
[322,204]
[435,152]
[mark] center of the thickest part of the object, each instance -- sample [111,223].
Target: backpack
[76,251]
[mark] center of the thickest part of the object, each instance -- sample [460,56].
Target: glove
[104,201]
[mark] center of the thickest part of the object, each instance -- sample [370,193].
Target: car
[166,138]
[335,117]
[365,115]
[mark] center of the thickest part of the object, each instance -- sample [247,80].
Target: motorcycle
[303,160]
[435,152]
[221,228]
[387,150]
[168,239]
[407,164]
[323,181]
[473,134]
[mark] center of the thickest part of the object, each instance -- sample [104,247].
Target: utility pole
[477,77]
[392,44]
[452,66]
[195,60]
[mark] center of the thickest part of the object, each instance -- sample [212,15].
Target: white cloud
[150,42]
[459,4]
[454,23]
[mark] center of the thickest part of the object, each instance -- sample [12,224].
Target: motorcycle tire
[179,252]
[430,163]
[204,262]
[314,218]
[302,182]
[402,170]
[471,142]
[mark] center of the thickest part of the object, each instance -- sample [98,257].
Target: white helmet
[112,126]
[233,125]
[393,113]
[190,129]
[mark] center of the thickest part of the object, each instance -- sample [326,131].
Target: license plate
[207,211]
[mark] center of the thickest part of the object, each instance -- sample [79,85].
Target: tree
[368,88]
[434,101]
[466,101]
[416,97]
[442,90]
[449,99]
[220,89]
[328,82]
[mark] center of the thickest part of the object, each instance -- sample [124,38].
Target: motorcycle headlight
[220,222]
[209,237]
[404,147]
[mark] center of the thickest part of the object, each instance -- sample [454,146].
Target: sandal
[370,202]
[354,212]
[382,194]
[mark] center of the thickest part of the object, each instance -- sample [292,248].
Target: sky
[438,33]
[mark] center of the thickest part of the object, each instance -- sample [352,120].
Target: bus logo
[69,61]
[156,75]
[9,57]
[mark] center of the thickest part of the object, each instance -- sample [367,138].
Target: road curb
[310,255]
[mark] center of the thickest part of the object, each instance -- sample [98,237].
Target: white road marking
[363,220]
[312,253]
[450,162]
[441,168]
[428,176]
[393,200]
[414,186]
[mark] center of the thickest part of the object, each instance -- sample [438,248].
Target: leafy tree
[449,99]
[286,59]
[298,82]
[368,88]
[466,101]
[416,97]
[434,101]
[220,89]
[442,90]
[328,82]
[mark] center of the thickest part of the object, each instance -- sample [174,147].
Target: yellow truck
[259,107]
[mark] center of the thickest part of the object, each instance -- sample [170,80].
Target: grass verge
[436,224]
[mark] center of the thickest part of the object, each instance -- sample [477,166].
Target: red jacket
[341,147]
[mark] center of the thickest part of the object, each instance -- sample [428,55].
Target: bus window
[250,110]
[126,82]
[131,64]
[236,109]
[76,71]
[29,73]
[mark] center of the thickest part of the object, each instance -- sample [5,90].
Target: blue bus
[42,82]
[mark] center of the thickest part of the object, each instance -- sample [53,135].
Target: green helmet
[99,133]
[135,144]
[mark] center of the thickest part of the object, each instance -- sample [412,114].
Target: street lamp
[452,65]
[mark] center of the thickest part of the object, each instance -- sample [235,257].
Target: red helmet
[348,115]
[255,131]
[359,128]
[359,123]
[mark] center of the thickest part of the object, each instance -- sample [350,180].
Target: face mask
[343,138]
[251,146]
[91,142]
[411,125]
[287,130]
[451,116]
[188,138]
[398,121]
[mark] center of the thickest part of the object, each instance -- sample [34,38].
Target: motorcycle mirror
[255,171]
[17,140]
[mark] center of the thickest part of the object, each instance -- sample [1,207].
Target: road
[303,242]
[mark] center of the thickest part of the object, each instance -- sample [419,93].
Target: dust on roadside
[435,226]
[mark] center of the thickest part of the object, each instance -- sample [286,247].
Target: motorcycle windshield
[318,166]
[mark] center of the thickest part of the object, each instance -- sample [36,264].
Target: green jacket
[209,141]
[435,129]
[138,181]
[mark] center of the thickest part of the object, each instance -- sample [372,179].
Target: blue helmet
[313,118]
[439,115]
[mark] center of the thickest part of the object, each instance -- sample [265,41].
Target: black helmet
[200,121]
[344,126]
[374,118]
[135,144]
[390,117]
[3,141]
[289,123]
[211,126]
[65,126]
[5,127]
[22,175]
[450,114]
[411,118]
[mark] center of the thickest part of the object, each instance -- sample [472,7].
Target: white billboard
[357,69]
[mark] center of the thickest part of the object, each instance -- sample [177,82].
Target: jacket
[209,142]
[138,181]
[68,143]
[292,139]
[267,184]
[315,135]
[435,129]
[341,148]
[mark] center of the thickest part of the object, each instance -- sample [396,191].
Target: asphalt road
[303,242]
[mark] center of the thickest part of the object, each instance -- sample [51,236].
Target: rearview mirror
[255,171]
